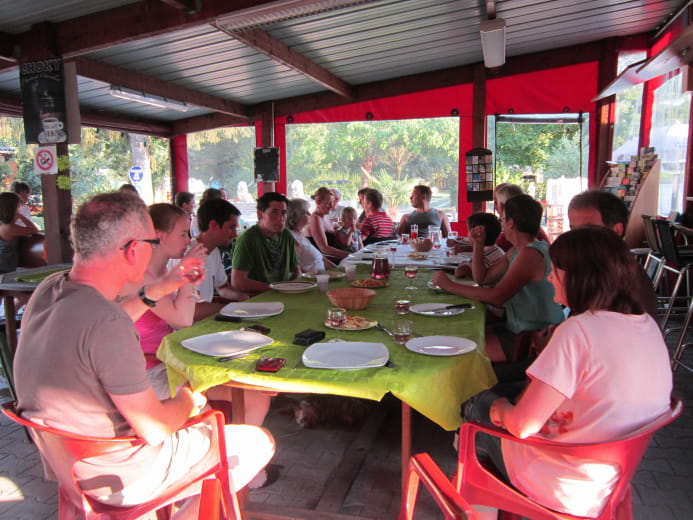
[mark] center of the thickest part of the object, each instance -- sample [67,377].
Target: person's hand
[497,410]
[176,277]
[441,279]
[477,236]
[197,250]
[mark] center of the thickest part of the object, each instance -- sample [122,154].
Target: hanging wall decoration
[479,171]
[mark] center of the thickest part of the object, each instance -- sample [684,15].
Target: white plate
[334,275]
[456,259]
[293,287]
[252,309]
[440,345]
[226,343]
[345,355]
[436,288]
[421,308]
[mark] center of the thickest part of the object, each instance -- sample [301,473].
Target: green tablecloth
[434,386]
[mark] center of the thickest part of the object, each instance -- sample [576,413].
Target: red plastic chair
[60,450]
[210,500]
[475,484]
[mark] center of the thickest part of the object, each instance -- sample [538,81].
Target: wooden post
[57,209]
[267,141]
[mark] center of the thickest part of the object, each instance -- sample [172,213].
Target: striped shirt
[378,225]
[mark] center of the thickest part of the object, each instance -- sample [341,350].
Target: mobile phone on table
[257,328]
[269,364]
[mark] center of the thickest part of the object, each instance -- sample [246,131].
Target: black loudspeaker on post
[267,164]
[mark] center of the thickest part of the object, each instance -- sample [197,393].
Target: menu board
[43,98]
[479,171]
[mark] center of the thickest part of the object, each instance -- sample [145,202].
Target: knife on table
[446,307]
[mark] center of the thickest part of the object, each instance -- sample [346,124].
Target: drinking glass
[401,331]
[350,270]
[414,231]
[434,235]
[323,282]
[410,271]
[336,317]
[402,306]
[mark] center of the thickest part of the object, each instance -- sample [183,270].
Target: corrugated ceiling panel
[19,15]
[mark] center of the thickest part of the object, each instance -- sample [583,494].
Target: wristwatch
[145,300]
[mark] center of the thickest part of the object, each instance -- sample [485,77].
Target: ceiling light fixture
[148,99]
[493,42]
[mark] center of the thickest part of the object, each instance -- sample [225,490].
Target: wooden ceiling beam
[436,79]
[125,78]
[188,6]
[138,20]
[109,121]
[205,122]
[9,47]
[262,42]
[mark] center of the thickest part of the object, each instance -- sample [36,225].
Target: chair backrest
[60,450]
[651,234]
[624,453]
[667,241]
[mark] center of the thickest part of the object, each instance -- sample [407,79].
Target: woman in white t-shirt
[587,384]
[310,259]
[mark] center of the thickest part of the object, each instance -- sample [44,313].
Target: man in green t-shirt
[265,252]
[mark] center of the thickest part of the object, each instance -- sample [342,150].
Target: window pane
[669,136]
[391,156]
[224,159]
[628,111]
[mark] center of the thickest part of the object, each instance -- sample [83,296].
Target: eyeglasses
[153,241]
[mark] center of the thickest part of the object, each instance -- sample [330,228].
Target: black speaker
[267,164]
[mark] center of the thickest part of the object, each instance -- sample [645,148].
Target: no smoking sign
[45,160]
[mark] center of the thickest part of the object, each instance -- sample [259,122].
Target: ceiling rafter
[263,42]
[8,47]
[189,6]
[125,78]
[138,20]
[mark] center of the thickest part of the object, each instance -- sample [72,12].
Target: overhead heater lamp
[148,99]
[493,42]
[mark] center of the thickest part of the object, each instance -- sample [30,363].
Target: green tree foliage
[100,163]
[223,157]
[404,152]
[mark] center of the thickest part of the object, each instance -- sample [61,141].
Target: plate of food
[417,256]
[440,345]
[293,287]
[369,283]
[334,275]
[354,323]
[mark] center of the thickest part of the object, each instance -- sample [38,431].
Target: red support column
[179,163]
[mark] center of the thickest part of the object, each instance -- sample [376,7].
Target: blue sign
[136,174]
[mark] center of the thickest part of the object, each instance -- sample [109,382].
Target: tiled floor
[311,459]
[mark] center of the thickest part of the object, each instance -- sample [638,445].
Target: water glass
[323,282]
[404,239]
[401,331]
[336,317]
[350,270]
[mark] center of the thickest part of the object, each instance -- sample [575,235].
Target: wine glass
[410,271]
[194,275]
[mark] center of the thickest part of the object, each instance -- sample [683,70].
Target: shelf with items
[636,182]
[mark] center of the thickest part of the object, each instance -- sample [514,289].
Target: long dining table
[434,386]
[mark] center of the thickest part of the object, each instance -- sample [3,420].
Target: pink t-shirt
[152,330]
[599,361]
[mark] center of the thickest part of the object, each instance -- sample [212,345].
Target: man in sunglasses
[79,366]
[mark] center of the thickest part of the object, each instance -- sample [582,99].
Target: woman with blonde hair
[318,229]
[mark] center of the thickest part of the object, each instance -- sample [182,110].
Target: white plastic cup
[323,282]
[350,270]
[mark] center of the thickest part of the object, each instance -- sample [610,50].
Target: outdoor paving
[662,487]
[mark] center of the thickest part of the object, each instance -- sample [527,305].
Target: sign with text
[43,97]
